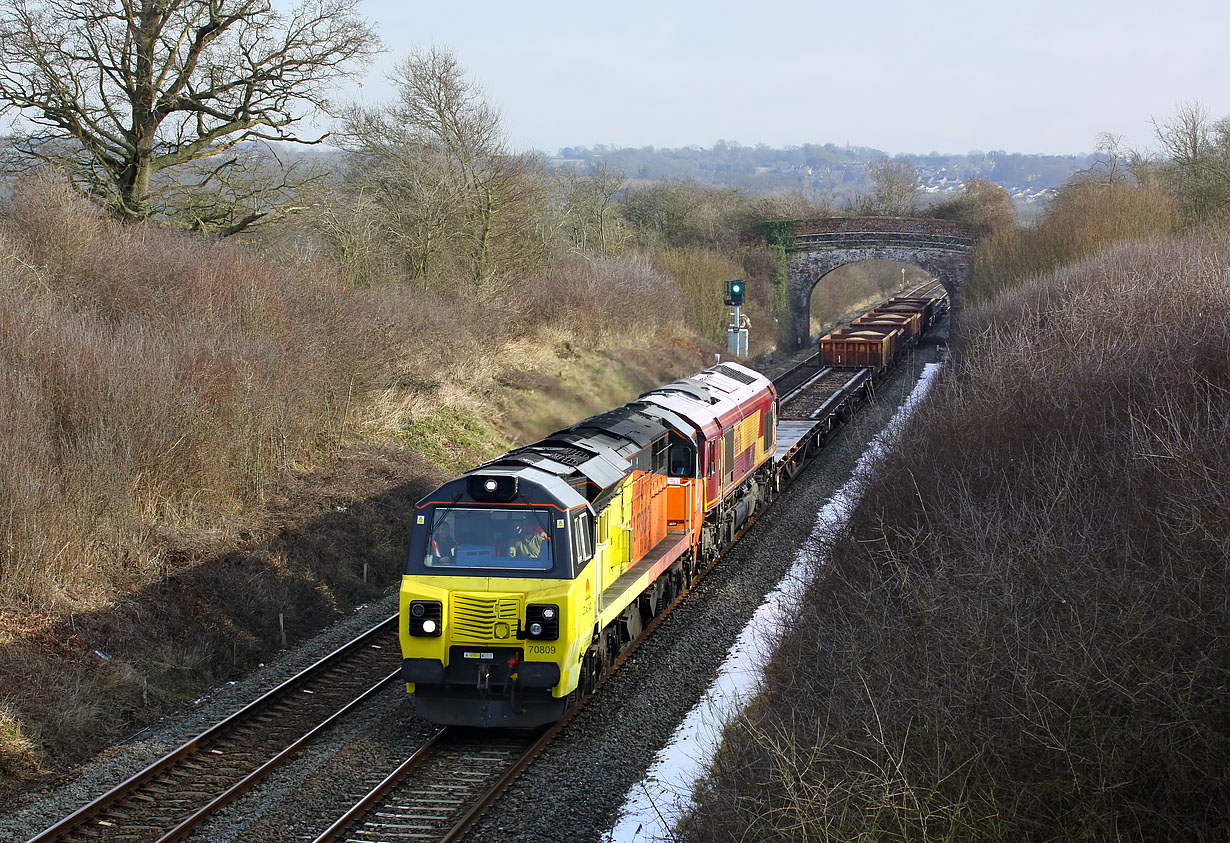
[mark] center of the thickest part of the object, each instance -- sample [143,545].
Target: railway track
[178,792]
[815,396]
[442,789]
[790,380]
[436,794]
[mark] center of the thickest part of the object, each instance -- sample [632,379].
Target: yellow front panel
[474,617]
[477,610]
[618,520]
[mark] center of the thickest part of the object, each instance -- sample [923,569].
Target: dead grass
[1021,635]
[1084,219]
[200,435]
[701,274]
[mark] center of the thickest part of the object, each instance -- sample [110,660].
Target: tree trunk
[135,196]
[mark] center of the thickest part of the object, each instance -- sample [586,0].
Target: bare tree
[589,211]
[405,185]
[440,150]
[896,188]
[1110,161]
[1199,160]
[121,91]
[1113,164]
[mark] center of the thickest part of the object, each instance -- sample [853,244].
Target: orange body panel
[648,512]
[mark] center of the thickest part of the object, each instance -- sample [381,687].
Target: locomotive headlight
[425,617]
[542,621]
[491,485]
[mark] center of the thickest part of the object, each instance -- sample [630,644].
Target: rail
[153,804]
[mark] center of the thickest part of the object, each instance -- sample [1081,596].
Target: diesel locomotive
[528,574]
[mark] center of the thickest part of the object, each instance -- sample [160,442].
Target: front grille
[473,617]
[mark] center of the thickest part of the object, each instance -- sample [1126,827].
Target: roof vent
[741,377]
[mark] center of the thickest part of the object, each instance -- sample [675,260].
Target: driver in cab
[529,540]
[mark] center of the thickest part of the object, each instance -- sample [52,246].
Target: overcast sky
[1035,76]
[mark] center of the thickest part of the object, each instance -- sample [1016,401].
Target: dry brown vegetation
[701,275]
[1021,633]
[1087,217]
[200,435]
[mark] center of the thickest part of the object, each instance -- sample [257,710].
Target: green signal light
[734,292]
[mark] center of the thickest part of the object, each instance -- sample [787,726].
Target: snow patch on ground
[655,804]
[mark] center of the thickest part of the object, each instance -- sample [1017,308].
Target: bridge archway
[820,246]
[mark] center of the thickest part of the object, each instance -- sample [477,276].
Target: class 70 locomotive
[528,574]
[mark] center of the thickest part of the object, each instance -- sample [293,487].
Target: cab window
[582,538]
[489,539]
[681,461]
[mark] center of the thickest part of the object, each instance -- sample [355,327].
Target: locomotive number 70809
[546,649]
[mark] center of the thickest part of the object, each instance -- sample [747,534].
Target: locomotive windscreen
[489,539]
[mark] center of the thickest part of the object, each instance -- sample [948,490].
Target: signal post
[736,332]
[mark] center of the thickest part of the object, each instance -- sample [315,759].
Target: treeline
[837,173]
[428,194]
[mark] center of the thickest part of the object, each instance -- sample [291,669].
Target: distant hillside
[828,170]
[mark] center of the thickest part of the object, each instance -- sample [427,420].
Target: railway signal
[736,333]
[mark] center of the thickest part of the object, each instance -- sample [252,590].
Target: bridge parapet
[886,239]
[831,226]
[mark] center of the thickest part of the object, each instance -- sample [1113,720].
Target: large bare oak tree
[121,91]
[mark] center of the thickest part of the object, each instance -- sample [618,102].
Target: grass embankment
[200,436]
[1021,635]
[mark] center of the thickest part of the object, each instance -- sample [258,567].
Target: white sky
[948,75]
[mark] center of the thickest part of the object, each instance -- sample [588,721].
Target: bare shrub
[158,385]
[1085,218]
[701,275]
[598,297]
[153,382]
[1021,634]
[980,203]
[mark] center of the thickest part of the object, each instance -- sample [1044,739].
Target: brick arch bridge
[820,246]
